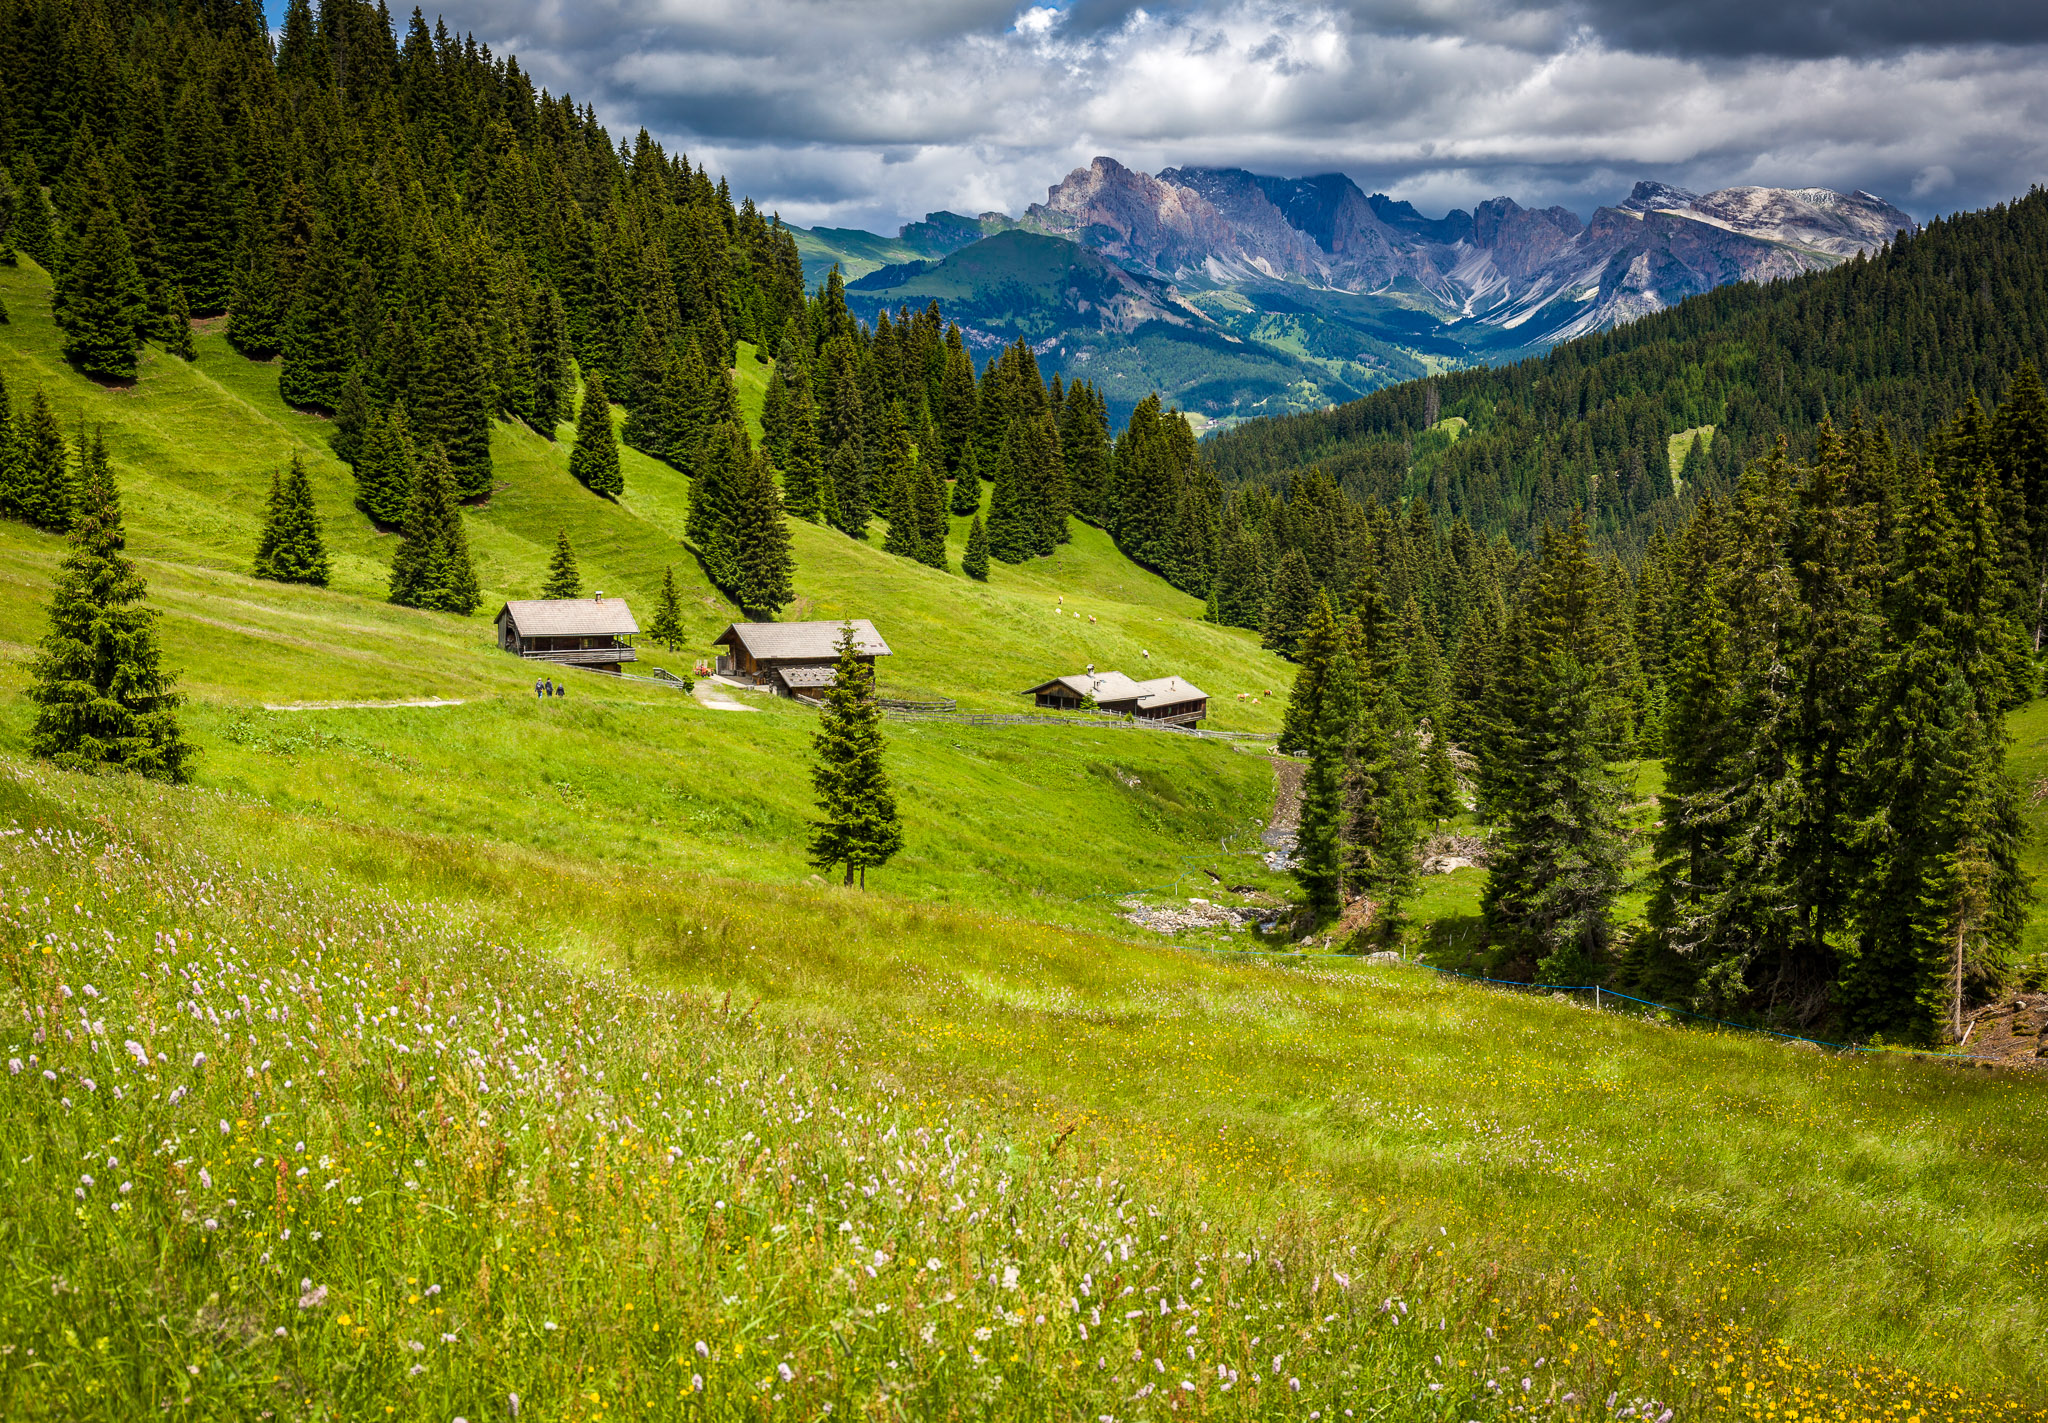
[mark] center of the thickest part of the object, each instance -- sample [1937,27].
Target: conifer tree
[1319,846]
[1288,608]
[857,825]
[966,496]
[1382,811]
[101,694]
[34,231]
[667,627]
[931,511]
[563,580]
[1555,864]
[714,501]
[1439,780]
[552,387]
[595,457]
[257,307]
[177,325]
[1011,525]
[758,540]
[846,494]
[974,562]
[100,302]
[40,487]
[384,468]
[318,346]
[905,537]
[290,549]
[352,419]
[432,567]
[803,468]
[775,418]
[451,407]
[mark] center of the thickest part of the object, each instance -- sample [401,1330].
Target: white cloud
[869,115]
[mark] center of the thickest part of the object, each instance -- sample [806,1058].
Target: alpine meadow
[604,817]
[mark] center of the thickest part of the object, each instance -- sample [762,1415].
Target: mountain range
[1307,291]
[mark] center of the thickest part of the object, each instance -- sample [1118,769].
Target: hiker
[537,688]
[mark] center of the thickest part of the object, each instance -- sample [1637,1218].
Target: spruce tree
[40,487]
[176,332]
[450,406]
[1440,799]
[931,511]
[35,233]
[905,536]
[101,694]
[432,567]
[384,468]
[1011,526]
[803,468]
[1319,839]
[563,580]
[966,496]
[757,539]
[974,562]
[290,549]
[318,345]
[595,457]
[667,626]
[1555,864]
[857,825]
[100,302]
[257,309]
[550,392]
[714,500]
[1383,808]
[1288,607]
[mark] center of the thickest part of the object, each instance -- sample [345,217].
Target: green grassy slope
[195,446]
[1738,1189]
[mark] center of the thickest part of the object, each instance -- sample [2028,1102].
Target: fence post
[1596,997]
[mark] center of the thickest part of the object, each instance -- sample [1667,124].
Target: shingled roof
[570,617]
[800,642]
[1111,689]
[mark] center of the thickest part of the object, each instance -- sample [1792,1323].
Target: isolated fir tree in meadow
[563,580]
[595,457]
[289,549]
[100,302]
[102,697]
[1555,862]
[667,625]
[857,824]
[317,345]
[432,567]
[384,468]
[974,560]
[37,484]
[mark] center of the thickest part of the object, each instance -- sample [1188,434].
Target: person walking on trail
[537,688]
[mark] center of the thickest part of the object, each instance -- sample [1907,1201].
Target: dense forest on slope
[1907,336]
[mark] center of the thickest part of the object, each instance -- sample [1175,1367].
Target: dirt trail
[1286,817]
[362,706]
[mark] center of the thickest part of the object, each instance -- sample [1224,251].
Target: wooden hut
[593,632]
[1165,699]
[792,659]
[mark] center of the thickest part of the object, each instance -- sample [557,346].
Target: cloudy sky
[868,114]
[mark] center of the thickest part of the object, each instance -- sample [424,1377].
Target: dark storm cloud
[1749,28]
[869,114]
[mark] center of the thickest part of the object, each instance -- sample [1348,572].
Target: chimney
[598,596]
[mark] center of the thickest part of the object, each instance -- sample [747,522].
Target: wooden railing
[583,656]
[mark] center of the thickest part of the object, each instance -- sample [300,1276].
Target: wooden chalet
[792,659]
[594,632]
[1166,699]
